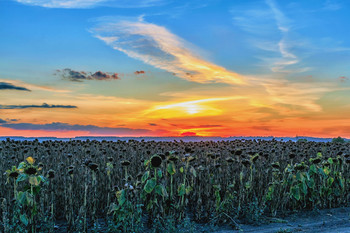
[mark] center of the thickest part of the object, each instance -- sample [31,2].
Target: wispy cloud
[157,46]
[62,3]
[93,3]
[91,129]
[33,87]
[9,86]
[79,76]
[304,95]
[270,29]
[288,58]
[44,105]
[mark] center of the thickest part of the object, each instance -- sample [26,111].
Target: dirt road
[325,221]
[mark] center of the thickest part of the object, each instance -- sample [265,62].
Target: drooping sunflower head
[125,163]
[51,174]
[14,174]
[156,161]
[31,170]
[93,166]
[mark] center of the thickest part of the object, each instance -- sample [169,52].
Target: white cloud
[271,31]
[92,3]
[157,46]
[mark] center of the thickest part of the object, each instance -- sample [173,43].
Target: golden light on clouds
[193,108]
[157,46]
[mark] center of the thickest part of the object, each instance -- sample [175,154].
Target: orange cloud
[157,46]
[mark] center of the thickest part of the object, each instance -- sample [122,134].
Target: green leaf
[150,205]
[295,192]
[22,198]
[341,183]
[193,171]
[326,171]
[43,178]
[33,181]
[311,183]
[181,169]
[171,168]
[188,189]
[330,181]
[303,188]
[150,185]
[145,177]
[270,193]
[22,177]
[36,190]
[313,168]
[21,165]
[300,176]
[330,160]
[121,197]
[181,190]
[159,189]
[30,199]
[159,173]
[24,219]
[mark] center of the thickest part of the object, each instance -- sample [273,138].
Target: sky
[174,68]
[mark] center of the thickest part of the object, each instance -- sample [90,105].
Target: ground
[327,221]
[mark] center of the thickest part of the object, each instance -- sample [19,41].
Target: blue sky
[295,54]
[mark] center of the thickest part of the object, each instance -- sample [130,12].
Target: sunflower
[30,170]
[93,166]
[229,160]
[125,163]
[316,160]
[300,167]
[156,161]
[51,174]
[246,162]
[276,165]
[14,174]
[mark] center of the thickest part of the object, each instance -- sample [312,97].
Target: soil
[335,220]
[327,221]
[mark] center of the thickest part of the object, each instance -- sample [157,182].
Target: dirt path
[326,221]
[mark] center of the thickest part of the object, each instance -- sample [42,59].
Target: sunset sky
[174,67]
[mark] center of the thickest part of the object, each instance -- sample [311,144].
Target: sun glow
[202,107]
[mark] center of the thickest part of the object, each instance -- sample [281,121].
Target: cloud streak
[288,58]
[44,105]
[79,76]
[33,87]
[271,30]
[157,46]
[92,3]
[92,129]
[9,86]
